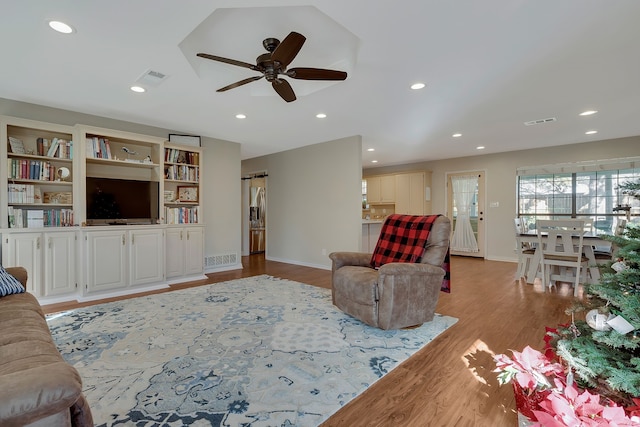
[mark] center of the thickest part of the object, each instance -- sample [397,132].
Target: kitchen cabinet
[410,193]
[381,189]
[49,258]
[184,254]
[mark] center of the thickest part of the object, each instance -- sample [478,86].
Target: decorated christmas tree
[603,351]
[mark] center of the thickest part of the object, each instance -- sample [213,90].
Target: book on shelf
[17,146]
[35,218]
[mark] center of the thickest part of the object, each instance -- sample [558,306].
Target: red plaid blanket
[403,239]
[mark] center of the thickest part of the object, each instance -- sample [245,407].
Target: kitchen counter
[373,221]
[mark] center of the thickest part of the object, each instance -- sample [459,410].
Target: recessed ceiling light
[480,147]
[374,161]
[240,116]
[588,113]
[61,27]
[321,115]
[417,86]
[138,89]
[590,132]
[456,135]
[371,149]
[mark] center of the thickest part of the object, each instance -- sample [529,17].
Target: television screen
[121,201]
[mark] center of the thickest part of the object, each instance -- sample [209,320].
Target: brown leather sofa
[37,387]
[397,295]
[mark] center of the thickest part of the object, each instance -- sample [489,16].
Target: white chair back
[561,244]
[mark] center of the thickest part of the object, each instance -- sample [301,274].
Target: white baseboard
[237,266]
[304,264]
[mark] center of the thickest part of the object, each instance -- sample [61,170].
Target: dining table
[590,243]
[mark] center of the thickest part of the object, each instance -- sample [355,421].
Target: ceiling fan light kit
[273,66]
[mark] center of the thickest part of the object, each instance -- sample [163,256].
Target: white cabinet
[381,189]
[59,263]
[146,256]
[185,251]
[410,193]
[106,267]
[49,258]
[370,235]
[123,259]
[24,250]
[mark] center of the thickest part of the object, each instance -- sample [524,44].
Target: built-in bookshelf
[120,168]
[182,177]
[38,181]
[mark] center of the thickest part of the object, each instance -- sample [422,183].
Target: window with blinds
[585,190]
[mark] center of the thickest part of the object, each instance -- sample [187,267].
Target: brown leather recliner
[398,294]
[37,387]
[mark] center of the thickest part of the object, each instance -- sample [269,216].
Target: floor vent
[540,121]
[221,260]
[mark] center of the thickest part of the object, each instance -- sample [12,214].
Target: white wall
[313,201]
[221,188]
[501,181]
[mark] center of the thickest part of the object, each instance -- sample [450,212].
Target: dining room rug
[259,351]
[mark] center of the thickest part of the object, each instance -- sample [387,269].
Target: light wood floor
[449,382]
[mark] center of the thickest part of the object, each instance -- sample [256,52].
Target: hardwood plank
[449,382]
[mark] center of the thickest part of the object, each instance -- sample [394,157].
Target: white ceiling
[489,66]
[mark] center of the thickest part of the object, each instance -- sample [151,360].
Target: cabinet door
[146,256]
[403,197]
[365,238]
[416,194]
[388,189]
[374,234]
[106,260]
[373,190]
[59,263]
[174,254]
[194,251]
[25,250]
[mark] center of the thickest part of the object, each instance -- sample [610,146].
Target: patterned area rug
[260,351]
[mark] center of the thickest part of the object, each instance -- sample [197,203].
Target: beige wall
[313,201]
[221,189]
[501,181]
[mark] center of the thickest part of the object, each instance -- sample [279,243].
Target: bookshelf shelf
[182,172]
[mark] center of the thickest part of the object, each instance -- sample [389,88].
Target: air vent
[221,260]
[152,78]
[540,121]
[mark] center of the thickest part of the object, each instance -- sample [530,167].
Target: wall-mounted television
[121,201]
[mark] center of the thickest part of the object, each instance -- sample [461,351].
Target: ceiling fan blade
[229,61]
[284,89]
[316,74]
[288,48]
[240,83]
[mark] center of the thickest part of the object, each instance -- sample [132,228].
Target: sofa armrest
[19,273]
[358,259]
[32,394]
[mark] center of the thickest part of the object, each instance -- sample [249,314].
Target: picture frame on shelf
[191,140]
[188,193]
[169,196]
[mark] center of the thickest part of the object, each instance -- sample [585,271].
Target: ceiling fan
[274,64]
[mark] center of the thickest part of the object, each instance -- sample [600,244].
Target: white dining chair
[561,249]
[607,256]
[524,250]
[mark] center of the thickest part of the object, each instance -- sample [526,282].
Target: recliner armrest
[359,259]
